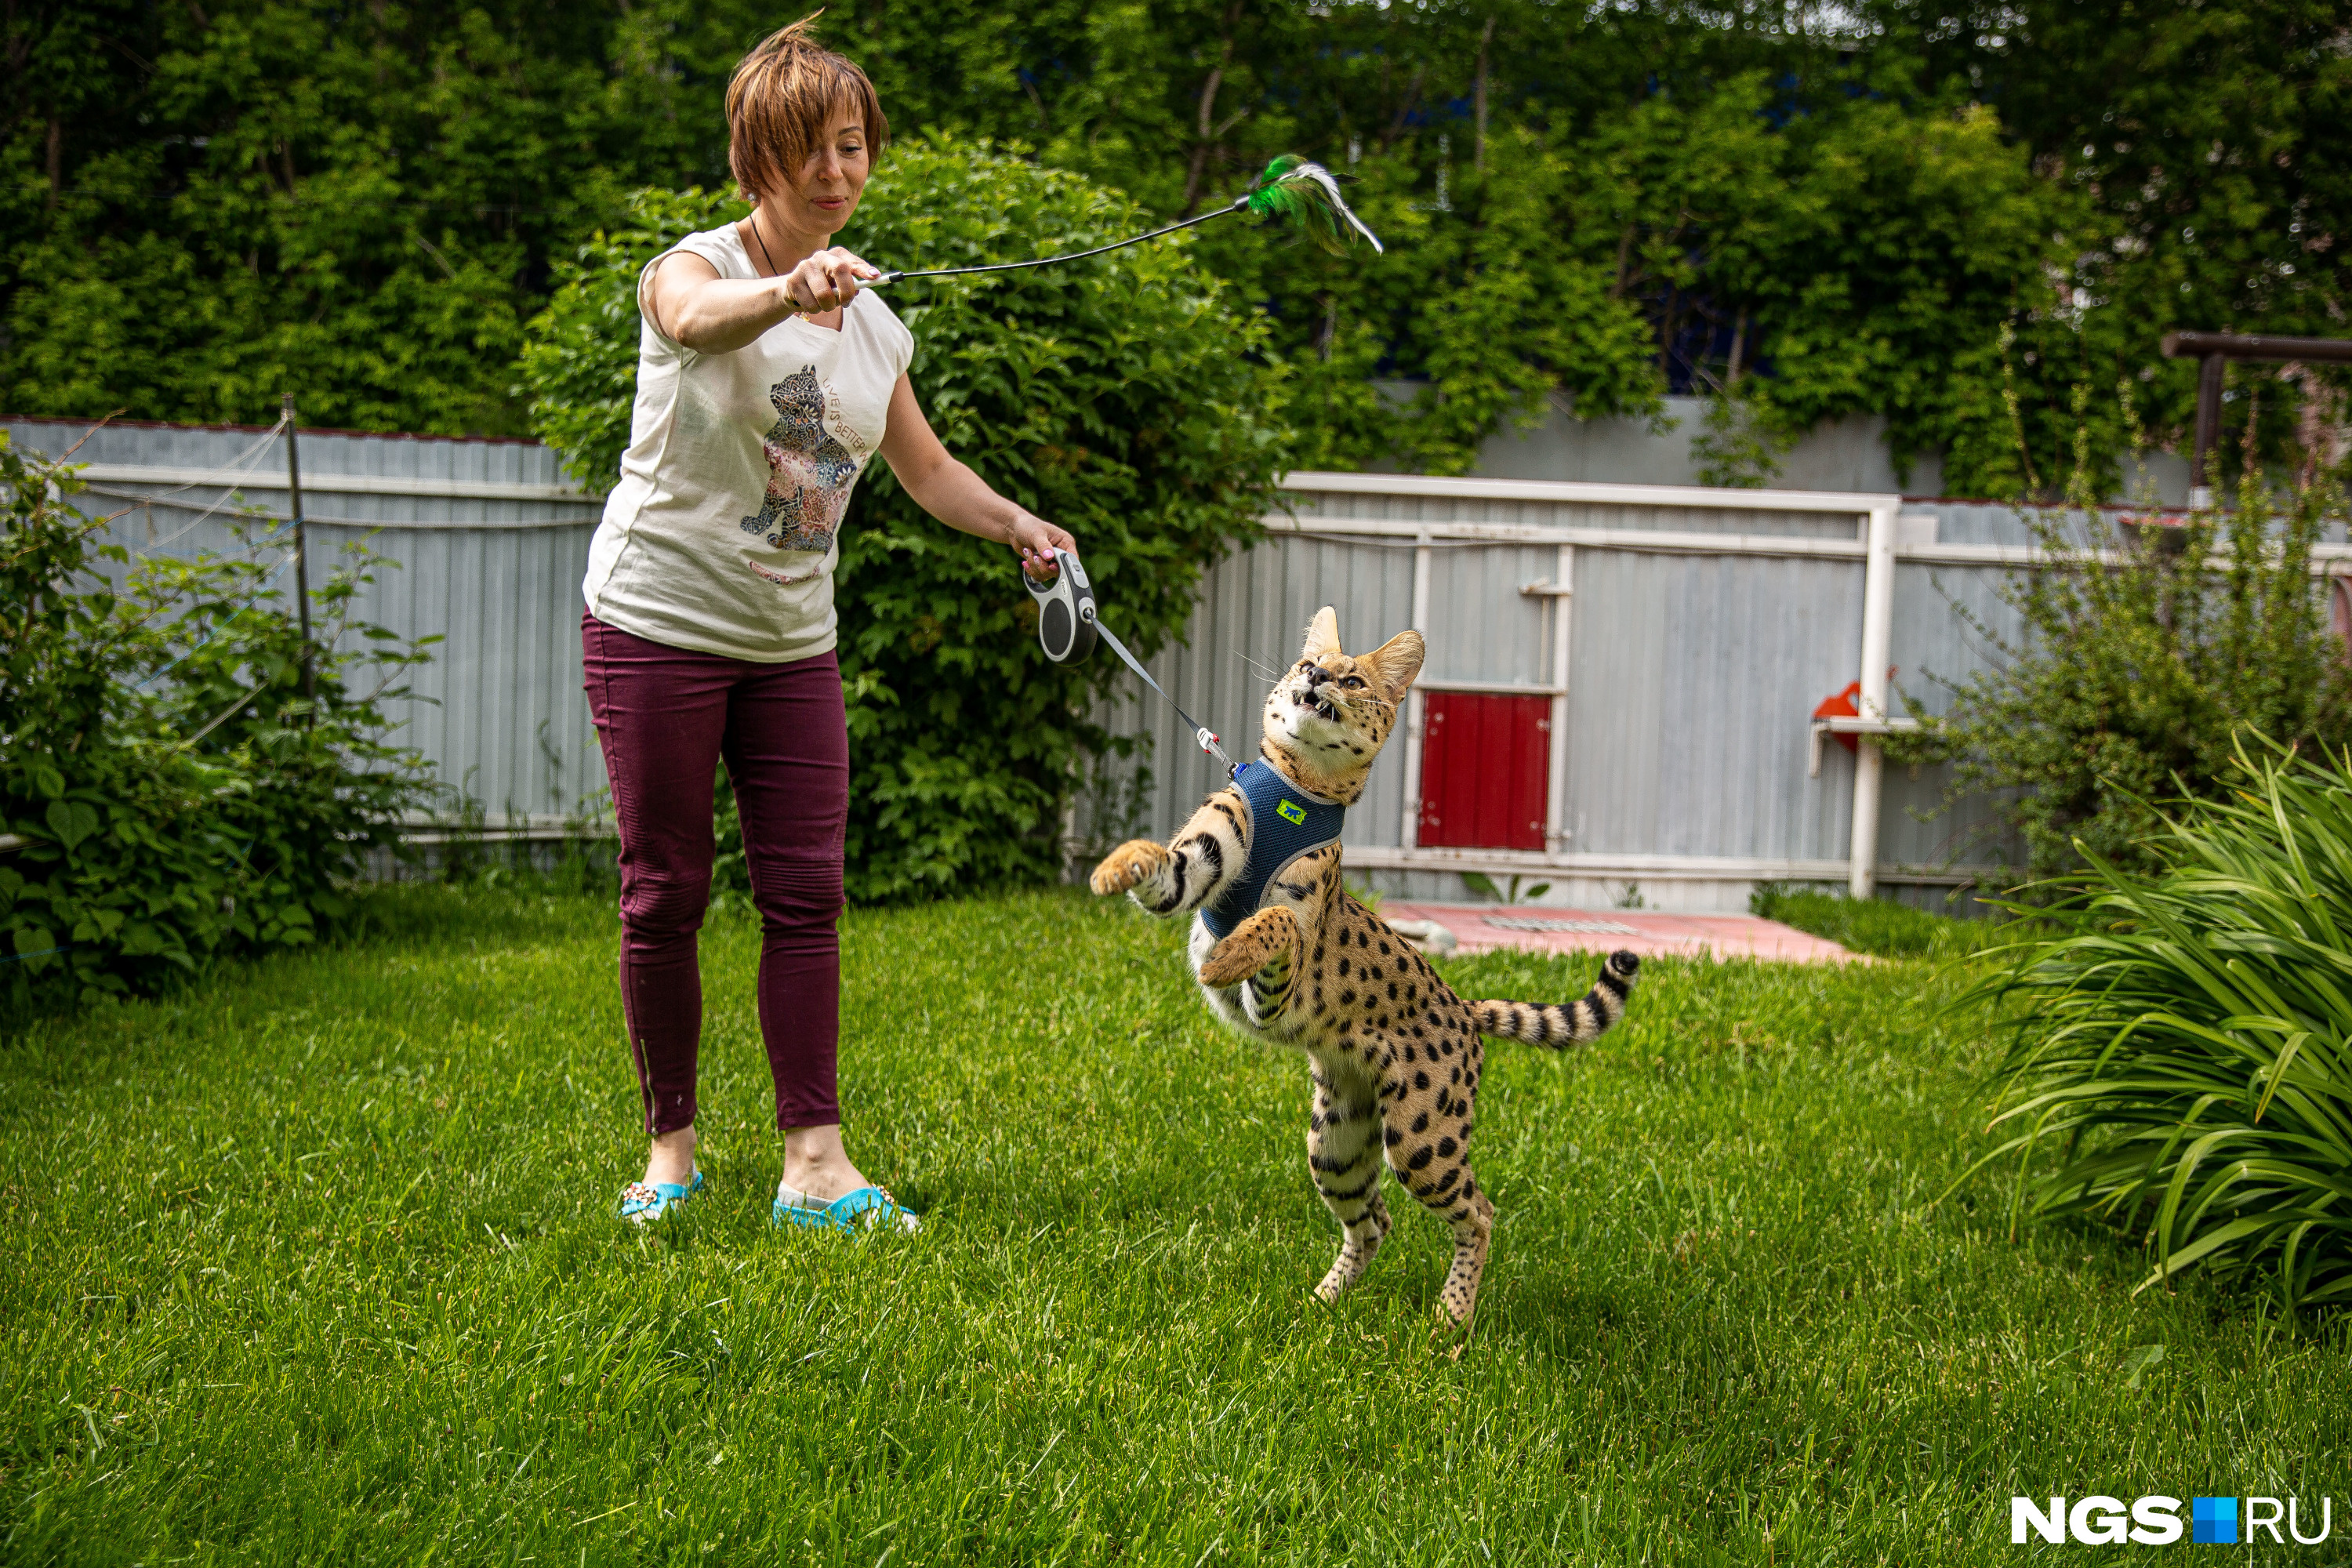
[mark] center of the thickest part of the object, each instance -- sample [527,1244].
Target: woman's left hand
[1037,540]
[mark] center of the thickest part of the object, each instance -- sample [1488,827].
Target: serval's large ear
[1322,635]
[1395,663]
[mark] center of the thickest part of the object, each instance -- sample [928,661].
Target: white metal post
[1563,600]
[1877,641]
[1408,834]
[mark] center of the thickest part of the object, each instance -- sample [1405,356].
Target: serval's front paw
[1251,946]
[1132,863]
[1229,964]
[1353,1259]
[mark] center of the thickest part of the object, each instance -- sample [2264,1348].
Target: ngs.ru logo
[2154,1520]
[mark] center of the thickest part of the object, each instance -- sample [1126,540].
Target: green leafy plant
[1736,448]
[2148,645]
[175,795]
[1503,893]
[1126,398]
[2184,1038]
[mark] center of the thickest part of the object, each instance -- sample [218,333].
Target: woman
[765,380]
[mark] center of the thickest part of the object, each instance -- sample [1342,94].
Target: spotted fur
[1393,1053]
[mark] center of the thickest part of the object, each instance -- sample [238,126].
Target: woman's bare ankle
[824,1179]
[815,1164]
[670,1160]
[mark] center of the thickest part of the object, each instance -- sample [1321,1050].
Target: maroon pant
[665,716]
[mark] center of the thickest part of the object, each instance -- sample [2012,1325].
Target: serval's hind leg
[1430,1155]
[1473,1228]
[1343,1151]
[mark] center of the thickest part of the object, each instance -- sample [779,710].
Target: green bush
[177,797]
[1124,398]
[2184,1038]
[2139,666]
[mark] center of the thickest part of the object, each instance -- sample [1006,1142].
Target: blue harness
[1284,823]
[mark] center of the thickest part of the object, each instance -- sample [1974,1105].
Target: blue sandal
[642,1203]
[878,1207]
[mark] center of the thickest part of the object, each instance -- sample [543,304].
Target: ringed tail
[1549,1024]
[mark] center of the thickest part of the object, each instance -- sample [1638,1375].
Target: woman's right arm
[688,302]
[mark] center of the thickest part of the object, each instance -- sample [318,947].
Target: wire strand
[263,514]
[237,467]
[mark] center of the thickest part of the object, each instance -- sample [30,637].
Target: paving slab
[1481,928]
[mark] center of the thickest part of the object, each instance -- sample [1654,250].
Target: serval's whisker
[1263,668]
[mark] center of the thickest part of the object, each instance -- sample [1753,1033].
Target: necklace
[764,256]
[763,244]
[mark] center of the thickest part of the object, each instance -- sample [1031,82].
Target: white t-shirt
[722,533]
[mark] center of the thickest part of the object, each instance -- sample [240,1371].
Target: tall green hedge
[1127,398]
[1810,209]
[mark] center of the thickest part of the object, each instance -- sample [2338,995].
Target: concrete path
[1480,928]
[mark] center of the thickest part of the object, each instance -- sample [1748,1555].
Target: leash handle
[1066,610]
[1068,623]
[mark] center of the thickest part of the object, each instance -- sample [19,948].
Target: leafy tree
[1124,400]
[209,207]
[1898,249]
[2211,147]
[1587,206]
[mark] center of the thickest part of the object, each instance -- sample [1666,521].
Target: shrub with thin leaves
[2148,645]
[175,793]
[2184,1039]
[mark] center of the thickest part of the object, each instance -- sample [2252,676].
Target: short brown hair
[778,100]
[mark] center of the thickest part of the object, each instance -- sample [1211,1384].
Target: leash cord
[1201,735]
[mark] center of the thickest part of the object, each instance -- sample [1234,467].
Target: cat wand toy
[1292,188]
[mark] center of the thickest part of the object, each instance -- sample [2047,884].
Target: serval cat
[1394,1054]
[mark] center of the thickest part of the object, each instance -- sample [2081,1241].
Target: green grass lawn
[1877,926]
[318,1263]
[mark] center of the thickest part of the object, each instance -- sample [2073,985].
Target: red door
[1485,762]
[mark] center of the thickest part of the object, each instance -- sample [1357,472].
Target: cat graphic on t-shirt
[809,472]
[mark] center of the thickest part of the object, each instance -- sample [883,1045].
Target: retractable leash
[1282,830]
[1068,623]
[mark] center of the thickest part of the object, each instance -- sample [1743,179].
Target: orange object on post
[1844,705]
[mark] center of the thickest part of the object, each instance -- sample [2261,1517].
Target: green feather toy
[1306,194]
[1293,190]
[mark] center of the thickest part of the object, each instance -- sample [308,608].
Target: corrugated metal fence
[1678,640]
[490,538]
[1682,637]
